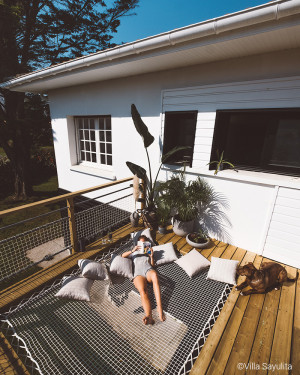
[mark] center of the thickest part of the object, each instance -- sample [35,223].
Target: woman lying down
[144,272]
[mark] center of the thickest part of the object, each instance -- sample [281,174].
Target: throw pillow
[75,287]
[164,253]
[223,270]
[144,232]
[192,263]
[92,270]
[121,266]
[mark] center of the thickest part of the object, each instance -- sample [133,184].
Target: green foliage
[35,34]
[221,162]
[199,237]
[186,198]
[140,126]
[163,211]
[148,139]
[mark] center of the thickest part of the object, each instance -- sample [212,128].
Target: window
[180,128]
[260,140]
[94,140]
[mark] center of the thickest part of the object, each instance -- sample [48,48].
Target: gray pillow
[121,266]
[164,253]
[144,232]
[193,262]
[75,287]
[92,270]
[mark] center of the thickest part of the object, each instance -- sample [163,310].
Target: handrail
[63,197]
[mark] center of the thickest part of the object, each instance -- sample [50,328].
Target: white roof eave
[252,17]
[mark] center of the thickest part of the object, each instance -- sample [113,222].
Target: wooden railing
[69,198]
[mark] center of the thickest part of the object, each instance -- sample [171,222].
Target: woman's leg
[140,283]
[153,278]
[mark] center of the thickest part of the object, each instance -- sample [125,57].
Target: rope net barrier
[34,248]
[106,335]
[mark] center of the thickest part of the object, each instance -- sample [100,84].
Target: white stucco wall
[250,196]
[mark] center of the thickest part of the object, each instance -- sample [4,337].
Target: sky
[157,16]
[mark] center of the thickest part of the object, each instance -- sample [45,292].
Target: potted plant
[163,215]
[198,239]
[149,213]
[221,162]
[186,199]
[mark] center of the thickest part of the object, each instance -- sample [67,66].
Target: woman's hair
[143,237]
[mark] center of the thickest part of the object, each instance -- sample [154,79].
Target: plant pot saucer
[196,244]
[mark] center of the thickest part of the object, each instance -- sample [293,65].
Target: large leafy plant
[185,197]
[139,171]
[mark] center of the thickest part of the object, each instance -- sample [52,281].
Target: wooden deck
[258,334]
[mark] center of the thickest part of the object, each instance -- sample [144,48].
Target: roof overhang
[270,27]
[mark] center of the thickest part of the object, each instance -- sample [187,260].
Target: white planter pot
[182,228]
[196,244]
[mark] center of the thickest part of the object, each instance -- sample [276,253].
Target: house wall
[249,196]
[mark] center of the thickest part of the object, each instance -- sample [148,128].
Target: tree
[37,33]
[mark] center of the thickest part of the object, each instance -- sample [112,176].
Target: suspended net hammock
[107,336]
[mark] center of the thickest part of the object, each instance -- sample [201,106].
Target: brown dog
[270,276]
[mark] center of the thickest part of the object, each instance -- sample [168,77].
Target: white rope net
[107,336]
[23,253]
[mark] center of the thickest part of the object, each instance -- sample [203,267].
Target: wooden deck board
[295,359]
[281,348]
[221,356]
[251,329]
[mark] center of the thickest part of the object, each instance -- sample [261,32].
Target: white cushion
[75,287]
[193,262]
[223,270]
[164,253]
[92,270]
[144,232]
[121,266]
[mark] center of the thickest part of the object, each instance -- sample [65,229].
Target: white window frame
[106,120]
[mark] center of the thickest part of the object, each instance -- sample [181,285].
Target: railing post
[72,224]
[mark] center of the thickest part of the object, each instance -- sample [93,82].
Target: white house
[230,83]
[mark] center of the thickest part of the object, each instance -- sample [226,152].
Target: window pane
[102,148]
[286,150]
[81,145]
[82,156]
[88,156]
[108,123]
[102,158]
[93,158]
[86,134]
[92,135]
[259,140]
[102,136]
[101,123]
[93,146]
[108,148]
[109,160]
[180,128]
[108,136]
[87,146]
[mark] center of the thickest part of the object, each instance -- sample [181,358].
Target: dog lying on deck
[269,276]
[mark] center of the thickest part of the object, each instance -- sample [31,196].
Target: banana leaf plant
[141,173]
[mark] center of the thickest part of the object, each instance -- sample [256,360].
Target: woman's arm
[152,262]
[127,253]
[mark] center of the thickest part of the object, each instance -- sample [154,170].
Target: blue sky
[157,16]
